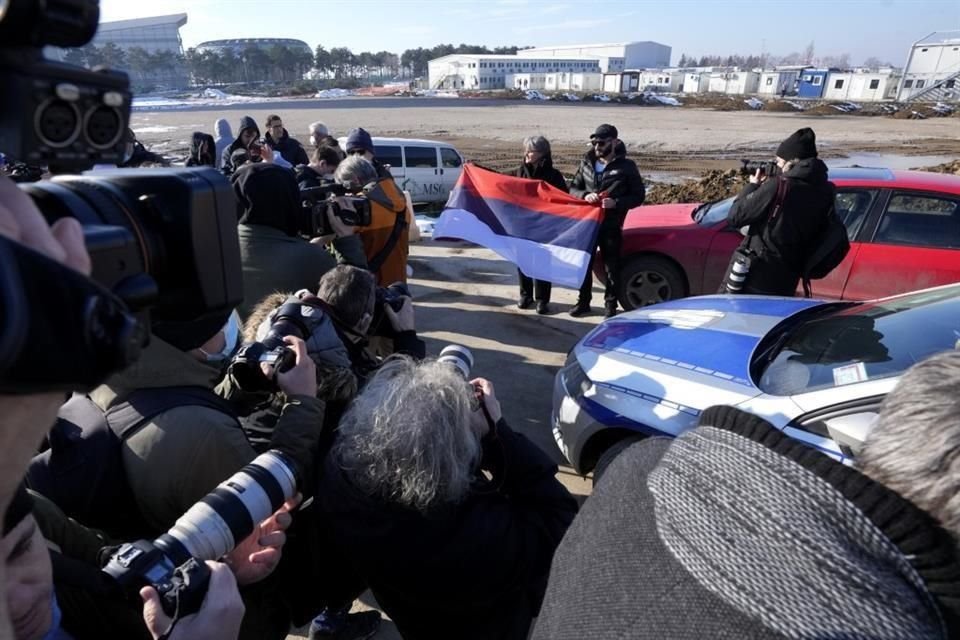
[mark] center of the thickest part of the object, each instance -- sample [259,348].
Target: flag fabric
[550,235]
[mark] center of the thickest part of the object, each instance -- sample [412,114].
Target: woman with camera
[786,211]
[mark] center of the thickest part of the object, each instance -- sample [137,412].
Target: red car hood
[660,216]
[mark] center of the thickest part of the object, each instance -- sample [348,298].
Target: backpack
[829,250]
[82,471]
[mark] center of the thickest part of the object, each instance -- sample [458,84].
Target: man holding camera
[786,209]
[606,177]
[274,253]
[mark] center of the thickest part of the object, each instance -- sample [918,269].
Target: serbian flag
[550,235]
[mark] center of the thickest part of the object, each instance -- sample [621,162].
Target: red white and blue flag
[550,235]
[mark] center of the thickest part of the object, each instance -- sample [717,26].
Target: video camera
[161,240]
[315,202]
[767,168]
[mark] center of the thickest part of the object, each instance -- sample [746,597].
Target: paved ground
[467,295]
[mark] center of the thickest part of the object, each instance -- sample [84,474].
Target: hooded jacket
[735,530]
[388,208]
[178,456]
[471,571]
[620,180]
[543,170]
[224,138]
[782,244]
[197,142]
[246,122]
[291,149]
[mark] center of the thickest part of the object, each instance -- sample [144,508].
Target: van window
[388,155]
[421,157]
[450,158]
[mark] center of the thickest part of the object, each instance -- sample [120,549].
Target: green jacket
[274,261]
[181,454]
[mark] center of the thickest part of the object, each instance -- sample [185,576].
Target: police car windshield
[710,213]
[845,343]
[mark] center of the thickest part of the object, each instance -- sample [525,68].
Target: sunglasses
[356,152]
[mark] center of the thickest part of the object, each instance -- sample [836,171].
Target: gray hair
[355,171]
[318,129]
[914,447]
[536,143]
[408,437]
[351,292]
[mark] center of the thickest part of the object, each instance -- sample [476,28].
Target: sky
[884,29]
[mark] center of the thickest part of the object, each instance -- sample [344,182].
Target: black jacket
[291,150]
[545,171]
[783,244]
[475,570]
[307,177]
[202,144]
[246,122]
[620,180]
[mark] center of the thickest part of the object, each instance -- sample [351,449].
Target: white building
[933,61]
[613,57]
[696,81]
[489,71]
[644,80]
[862,85]
[776,81]
[560,81]
[733,81]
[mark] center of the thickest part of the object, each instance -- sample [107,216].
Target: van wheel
[612,452]
[648,280]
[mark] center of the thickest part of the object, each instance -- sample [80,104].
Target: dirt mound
[780,107]
[947,167]
[714,185]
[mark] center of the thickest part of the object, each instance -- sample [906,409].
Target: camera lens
[459,357]
[57,123]
[103,127]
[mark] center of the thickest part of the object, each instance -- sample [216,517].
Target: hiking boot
[339,626]
[543,308]
[610,310]
[581,309]
[525,302]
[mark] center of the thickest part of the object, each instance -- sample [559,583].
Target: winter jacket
[202,143]
[734,530]
[468,571]
[224,138]
[620,180]
[386,211]
[782,244]
[543,170]
[291,149]
[177,457]
[308,177]
[246,122]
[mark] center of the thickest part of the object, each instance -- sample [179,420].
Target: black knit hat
[800,146]
[605,131]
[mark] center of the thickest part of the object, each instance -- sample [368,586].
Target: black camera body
[315,202]
[181,588]
[766,168]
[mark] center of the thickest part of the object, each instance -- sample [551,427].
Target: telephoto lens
[738,275]
[207,531]
[459,357]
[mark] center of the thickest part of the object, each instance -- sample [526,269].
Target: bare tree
[809,53]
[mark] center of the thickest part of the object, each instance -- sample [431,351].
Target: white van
[427,169]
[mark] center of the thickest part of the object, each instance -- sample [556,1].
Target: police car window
[847,344]
[388,154]
[853,207]
[450,158]
[421,157]
[921,220]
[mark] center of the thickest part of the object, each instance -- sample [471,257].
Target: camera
[393,296]
[173,563]
[315,201]
[162,240]
[750,167]
[459,357]
[294,318]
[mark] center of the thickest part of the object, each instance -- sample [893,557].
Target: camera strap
[779,198]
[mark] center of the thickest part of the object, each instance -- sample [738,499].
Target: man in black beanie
[786,213]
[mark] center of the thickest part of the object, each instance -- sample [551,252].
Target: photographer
[785,214]
[274,253]
[324,162]
[386,242]
[447,551]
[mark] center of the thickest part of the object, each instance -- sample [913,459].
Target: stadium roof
[179,19]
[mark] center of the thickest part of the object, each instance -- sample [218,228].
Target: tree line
[808,57]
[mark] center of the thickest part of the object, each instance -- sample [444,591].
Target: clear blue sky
[863,28]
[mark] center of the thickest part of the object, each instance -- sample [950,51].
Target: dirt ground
[661,139]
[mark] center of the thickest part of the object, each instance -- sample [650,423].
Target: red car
[904,229]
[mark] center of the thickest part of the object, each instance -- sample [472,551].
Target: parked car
[816,369]
[428,169]
[904,229]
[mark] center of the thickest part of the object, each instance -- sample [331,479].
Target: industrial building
[932,71]
[153,35]
[491,71]
[612,57]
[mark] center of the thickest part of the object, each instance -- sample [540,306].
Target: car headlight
[575,380]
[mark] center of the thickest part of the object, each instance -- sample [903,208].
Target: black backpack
[829,250]
[82,470]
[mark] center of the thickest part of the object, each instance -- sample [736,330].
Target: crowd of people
[411,481]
